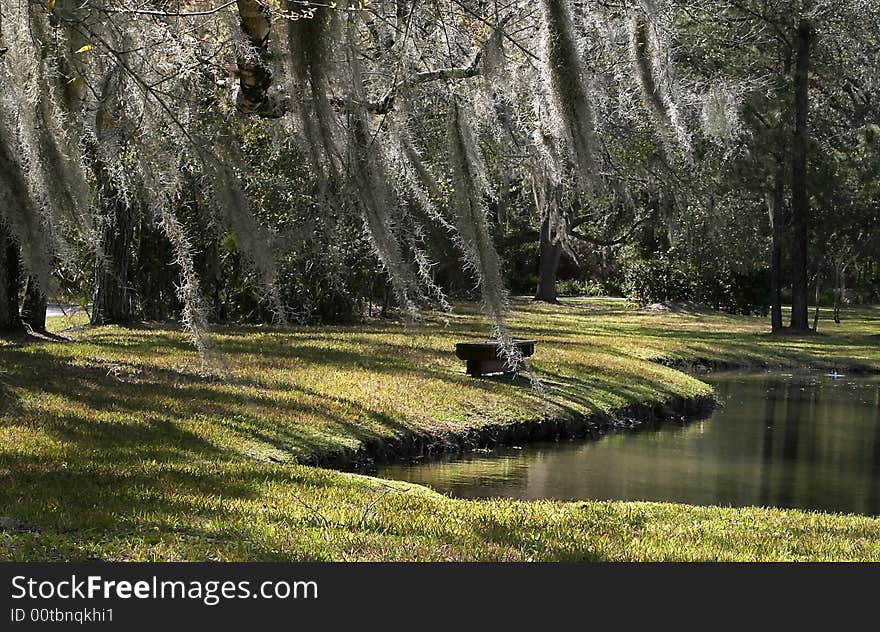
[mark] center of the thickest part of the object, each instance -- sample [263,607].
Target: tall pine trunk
[800,203]
[840,292]
[548,265]
[775,204]
[10,280]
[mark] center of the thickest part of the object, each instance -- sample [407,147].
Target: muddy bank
[676,409]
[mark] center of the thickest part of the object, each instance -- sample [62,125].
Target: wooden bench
[482,357]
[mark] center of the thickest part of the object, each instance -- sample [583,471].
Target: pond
[778,439]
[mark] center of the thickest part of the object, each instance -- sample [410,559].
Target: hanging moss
[310,60]
[19,214]
[650,61]
[41,129]
[374,197]
[371,190]
[720,116]
[472,225]
[565,79]
[417,183]
[258,245]
[194,314]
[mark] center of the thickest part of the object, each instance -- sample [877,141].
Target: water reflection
[779,440]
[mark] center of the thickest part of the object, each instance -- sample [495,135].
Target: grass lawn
[120,445]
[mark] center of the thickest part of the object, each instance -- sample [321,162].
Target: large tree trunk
[775,203]
[800,203]
[112,299]
[255,69]
[10,280]
[548,265]
[33,308]
[840,292]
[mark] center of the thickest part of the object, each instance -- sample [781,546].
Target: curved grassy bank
[119,446]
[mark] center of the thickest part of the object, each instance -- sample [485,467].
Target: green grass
[120,445]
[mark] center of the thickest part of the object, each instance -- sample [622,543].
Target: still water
[781,440]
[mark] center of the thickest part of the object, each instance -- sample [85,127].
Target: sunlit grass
[121,445]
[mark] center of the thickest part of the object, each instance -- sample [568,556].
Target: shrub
[574,287]
[714,284]
[649,281]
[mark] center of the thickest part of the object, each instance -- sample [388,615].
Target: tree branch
[386,104]
[171,14]
[600,241]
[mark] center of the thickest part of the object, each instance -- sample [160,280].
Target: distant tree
[790,65]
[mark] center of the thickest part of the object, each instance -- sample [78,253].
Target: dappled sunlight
[295,394]
[123,438]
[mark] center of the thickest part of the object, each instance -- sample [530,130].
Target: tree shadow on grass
[85,503]
[145,405]
[290,420]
